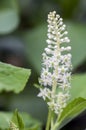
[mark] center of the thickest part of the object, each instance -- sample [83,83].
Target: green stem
[55,127]
[52,120]
[48,120]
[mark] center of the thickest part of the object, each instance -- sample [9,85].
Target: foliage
[21,120]
[13,78]
[78,86]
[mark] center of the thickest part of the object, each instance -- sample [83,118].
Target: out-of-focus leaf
[29,122]
[13,78]
[36,42]
[78,84]
[9,18]
[5,120]
[30,102]
[77,36]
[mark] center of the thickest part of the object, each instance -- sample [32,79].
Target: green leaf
[13,78]
[17,120]
[9,18]
[4,120]
[78,84]
[72,110]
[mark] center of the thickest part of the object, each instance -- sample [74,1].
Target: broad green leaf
[13,78]
[29,122]
[9,18]
[72,110]
[36,42]
[78,84]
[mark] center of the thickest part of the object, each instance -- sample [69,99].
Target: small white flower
[46,77]
[66,48]
[61,100]
[44,93]
[52,105]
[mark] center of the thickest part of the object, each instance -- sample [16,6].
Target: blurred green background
[23,32]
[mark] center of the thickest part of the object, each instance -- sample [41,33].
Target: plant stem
[52,121]
[48,120]
[55,126]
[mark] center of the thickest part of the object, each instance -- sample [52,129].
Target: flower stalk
[48,120]
[56,68]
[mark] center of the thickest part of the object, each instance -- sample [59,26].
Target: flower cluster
[56,66]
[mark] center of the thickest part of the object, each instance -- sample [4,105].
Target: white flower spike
[56,66]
